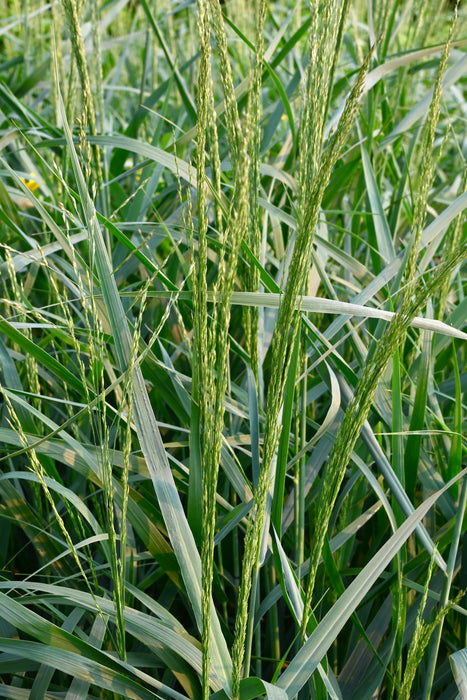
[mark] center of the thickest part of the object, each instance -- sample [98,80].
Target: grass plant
[232,350]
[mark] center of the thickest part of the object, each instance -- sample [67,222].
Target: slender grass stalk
[56,55]
[399,600]
[453,242]
[419,640]
[342,17]
[203,377]
[212,342]
[412,300]
[233,124]
[100,426]
[453,553]
[72,17]
[98,105]
[194,529]
[254,237]
[37,468]
[423,633]
[63,300]
[299,499]
[359,407]
[315,170]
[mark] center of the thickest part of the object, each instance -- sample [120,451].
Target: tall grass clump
[232,350]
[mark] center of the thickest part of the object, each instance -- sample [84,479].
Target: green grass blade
[384,242]
[458,662]
[283,448]
[82,659]
[253,413]
[80,667]
[306,660]
[42,356]
[184,93]
[452,76]
[417,420]
[180,535]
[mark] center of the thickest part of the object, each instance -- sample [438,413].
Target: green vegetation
[232,350]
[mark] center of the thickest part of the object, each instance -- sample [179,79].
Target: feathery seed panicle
[36,467]
[314,173]
[359,408]
[186,432]
[202,354]
[76,37]
[254,236]
[426,172]
[212,338]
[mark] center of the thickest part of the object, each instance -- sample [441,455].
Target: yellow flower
[31,184]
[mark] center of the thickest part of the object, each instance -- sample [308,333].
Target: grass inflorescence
[232,349]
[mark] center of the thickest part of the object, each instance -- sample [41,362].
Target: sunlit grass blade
[233,294]
[306,660]
[179,532]
[458,662]
[80,658]
[453,74]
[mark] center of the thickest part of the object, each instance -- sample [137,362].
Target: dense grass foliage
[232,349]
